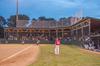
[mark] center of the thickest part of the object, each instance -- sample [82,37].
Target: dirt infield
[18,55]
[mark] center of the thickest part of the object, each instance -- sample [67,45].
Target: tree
[50,19]
[34,19]
[2,21]
[62,19]
[23,17]
[12,19]
[42,18]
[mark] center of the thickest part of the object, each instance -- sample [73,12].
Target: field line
[15,54]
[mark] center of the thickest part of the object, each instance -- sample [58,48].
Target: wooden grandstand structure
[37,29]
[87,27]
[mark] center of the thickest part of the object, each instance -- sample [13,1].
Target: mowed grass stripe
[69,56]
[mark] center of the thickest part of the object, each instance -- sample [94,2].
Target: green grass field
[70,56]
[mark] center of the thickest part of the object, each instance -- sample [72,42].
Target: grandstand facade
[47,29]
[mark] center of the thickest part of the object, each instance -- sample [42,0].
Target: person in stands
[57,46]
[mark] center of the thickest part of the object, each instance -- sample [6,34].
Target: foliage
[2,21]
[12,19]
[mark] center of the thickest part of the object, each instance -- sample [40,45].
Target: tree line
[11,21]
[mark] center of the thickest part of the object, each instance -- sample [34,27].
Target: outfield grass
[69,56]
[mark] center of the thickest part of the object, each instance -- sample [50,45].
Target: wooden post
[76,33]
[56,30]
[82,31]
[62,30]
[89,27]
[49,29]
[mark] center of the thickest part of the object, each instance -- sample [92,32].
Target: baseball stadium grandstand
[87,31]
[38,29]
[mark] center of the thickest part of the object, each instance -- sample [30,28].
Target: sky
[51,8]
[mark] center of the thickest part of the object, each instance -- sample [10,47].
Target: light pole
[17,4]
[17,16]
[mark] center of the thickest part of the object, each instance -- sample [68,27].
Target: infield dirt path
[22,58]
